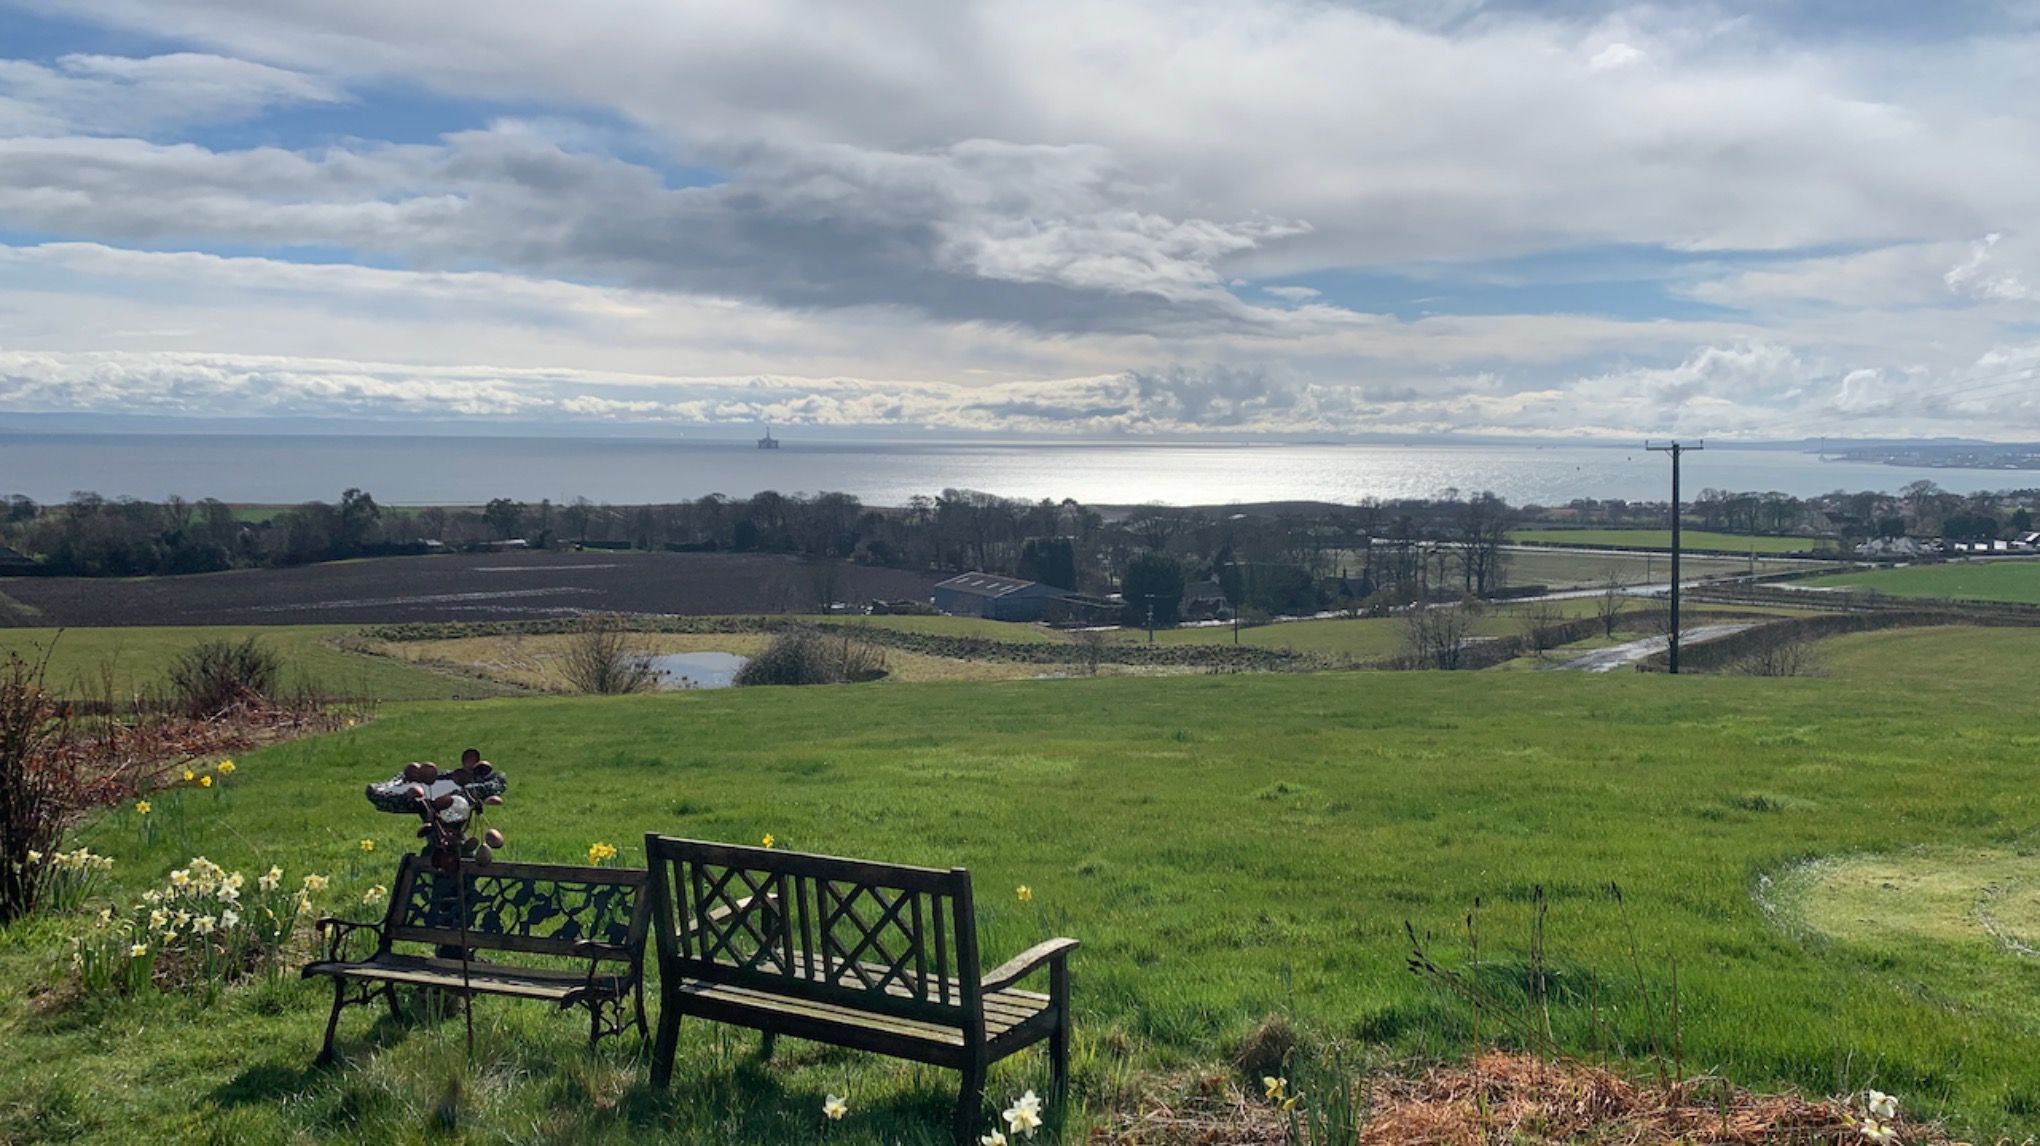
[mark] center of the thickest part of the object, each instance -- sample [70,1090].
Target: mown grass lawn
[1227,848]
[139,661]
[2014,580]
[1662,539]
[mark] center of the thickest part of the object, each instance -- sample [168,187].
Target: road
[1628,653]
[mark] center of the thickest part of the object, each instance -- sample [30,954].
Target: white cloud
[1058,199]
[114,94]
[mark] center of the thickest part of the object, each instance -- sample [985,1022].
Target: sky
[1753,219]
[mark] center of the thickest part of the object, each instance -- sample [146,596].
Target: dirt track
[463,587]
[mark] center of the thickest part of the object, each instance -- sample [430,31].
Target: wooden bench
[870,956]
[580,933]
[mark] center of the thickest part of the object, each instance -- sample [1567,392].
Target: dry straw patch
[1503,1099]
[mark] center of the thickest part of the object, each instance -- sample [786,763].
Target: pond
[698,670]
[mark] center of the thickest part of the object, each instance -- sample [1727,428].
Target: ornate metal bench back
[883,938]
[540,909]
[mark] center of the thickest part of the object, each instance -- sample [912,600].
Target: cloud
[107,95]
[1023,216]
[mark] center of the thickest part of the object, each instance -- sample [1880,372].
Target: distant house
[993,597]
[1202,600]
[1895,549]
[14,559]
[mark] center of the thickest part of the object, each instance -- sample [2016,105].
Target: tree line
[1292,558]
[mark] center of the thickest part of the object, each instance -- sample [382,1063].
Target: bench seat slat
[735,1004]
[485,978]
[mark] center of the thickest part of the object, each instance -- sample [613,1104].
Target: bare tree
[606,659]
[1543,626]
[1435,637]
[1088,646]
[1609,602]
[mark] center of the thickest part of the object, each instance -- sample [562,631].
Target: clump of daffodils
[598,852]
[203,926]
[68,878]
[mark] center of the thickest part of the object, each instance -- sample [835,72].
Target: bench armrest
[1051,951]
[598,951]
[337,931]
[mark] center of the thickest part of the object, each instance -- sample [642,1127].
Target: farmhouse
[993,597]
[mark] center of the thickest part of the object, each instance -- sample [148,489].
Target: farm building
[993,597]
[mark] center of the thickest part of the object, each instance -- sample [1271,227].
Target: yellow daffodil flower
[368,845]
[142,806]
[205,781]
[768,839]
[1025,893]
[834,1107]
[138,950]
[227,767]
[1276,1087]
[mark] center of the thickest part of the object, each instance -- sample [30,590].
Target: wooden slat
[920,952]
[819,866]
[941,950]
[496,941]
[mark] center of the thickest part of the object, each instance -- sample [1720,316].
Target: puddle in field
[1989,894]
[699,670]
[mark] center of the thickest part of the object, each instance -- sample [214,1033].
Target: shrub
[217,676]
[33,801]
[806,655]
[606,660]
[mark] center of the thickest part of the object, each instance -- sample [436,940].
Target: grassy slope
[1662,539]
[1226,848]
[2017,581]
[141,659]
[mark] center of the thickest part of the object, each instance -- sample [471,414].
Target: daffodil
[226,767]
[1276,1087]
[995,1138]
[270,881]
[374,895]
[138,950]
[316,883]
[1024,1116]
[368,845]
[1880,1104]
[34,856]
[834,1107]
[158,918]
[189,775]
[230,918]
[204,924]
[1874,1130]
[205,781]
[597,852]
[142,807]
[1024,892]
[180,879]
[768,839]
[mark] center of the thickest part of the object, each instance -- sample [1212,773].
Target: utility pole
[1675,449]
[1151,618]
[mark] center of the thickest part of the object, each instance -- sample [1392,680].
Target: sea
[422,470]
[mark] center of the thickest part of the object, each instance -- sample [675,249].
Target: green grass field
[2016,581]
[1228,848]
[1662,539]
[140,660]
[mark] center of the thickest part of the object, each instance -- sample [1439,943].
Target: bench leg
[389,994]
[970,1105]
[333,1020]
[1059,1042]
[766,1044]
[669,1041]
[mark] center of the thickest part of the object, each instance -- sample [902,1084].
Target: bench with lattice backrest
[870,956]
[572,936]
